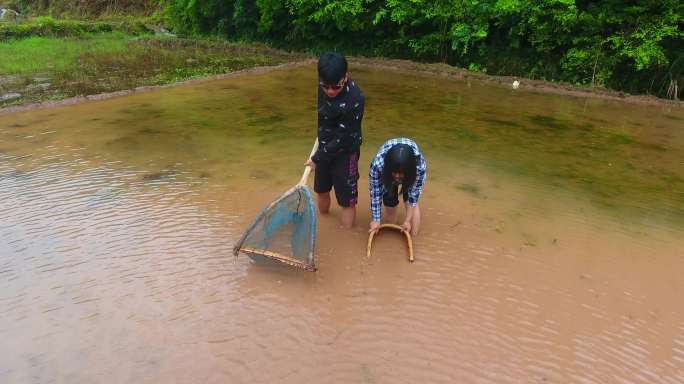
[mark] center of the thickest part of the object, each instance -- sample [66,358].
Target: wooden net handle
[307,169]
[393,226]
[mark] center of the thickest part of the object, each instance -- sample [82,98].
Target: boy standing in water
[340,113]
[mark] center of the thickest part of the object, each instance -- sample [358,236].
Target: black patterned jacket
[339,122]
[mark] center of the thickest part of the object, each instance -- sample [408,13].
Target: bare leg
[348,216]
[390,215]
[324,202]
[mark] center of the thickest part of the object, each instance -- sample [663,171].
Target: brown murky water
[551,251]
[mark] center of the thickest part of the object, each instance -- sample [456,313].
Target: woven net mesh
[285,231]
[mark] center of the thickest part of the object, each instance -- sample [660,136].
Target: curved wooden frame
[393,226]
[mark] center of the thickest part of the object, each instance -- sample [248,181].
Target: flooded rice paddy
[551,249]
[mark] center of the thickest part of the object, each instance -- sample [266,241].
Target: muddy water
[551,249]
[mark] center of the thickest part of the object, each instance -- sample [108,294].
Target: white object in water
[515,84]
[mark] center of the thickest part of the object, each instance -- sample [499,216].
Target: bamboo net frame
[391,226]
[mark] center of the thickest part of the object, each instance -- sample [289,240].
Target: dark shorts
[391,198]
[342,173]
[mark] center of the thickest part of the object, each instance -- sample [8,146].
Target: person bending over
[398,163]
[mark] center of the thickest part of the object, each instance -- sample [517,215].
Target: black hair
[332,67]
[400,158]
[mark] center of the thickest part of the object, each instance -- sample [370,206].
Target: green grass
[46,54]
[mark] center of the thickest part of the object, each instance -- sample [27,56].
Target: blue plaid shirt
[377,189]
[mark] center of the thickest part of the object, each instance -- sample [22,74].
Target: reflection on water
[550,252]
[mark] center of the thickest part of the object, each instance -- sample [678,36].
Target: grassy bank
[41,68]
[47,26]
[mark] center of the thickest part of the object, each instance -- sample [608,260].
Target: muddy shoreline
[389,64]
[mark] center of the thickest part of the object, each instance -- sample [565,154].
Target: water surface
[551,248]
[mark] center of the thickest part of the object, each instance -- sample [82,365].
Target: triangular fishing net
[284,231]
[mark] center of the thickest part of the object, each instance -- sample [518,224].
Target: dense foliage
[635,46]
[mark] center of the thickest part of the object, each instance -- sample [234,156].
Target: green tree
[632,45]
